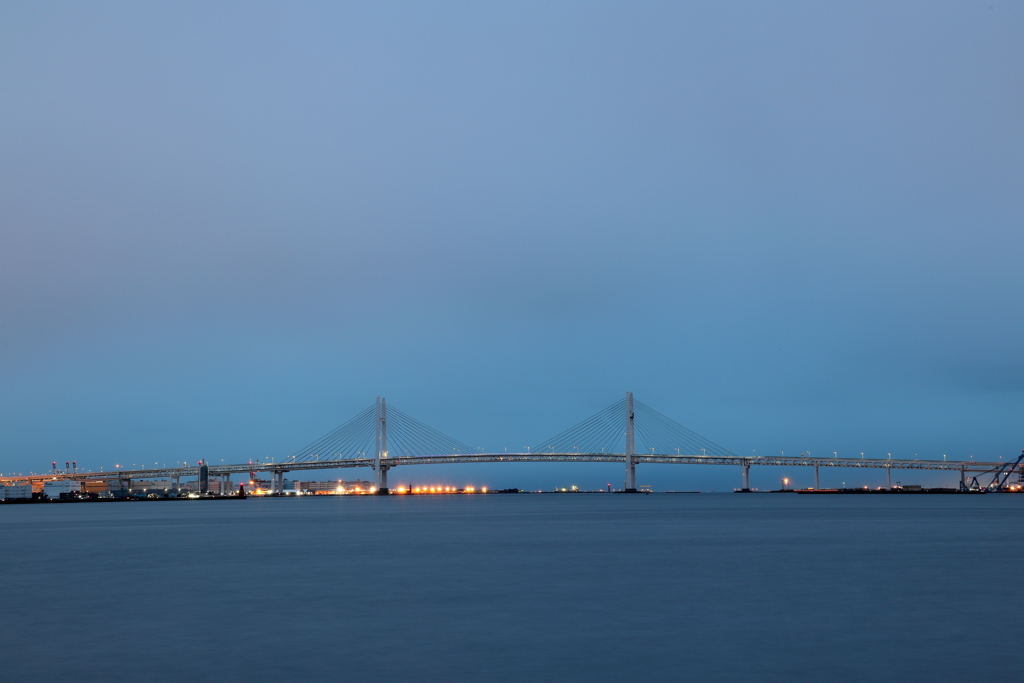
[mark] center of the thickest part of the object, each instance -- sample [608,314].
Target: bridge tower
[630,463]
[382,447]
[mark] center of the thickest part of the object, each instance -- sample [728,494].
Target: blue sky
[227,227]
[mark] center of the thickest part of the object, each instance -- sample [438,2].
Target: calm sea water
[591,587]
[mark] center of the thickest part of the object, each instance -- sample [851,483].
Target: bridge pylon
[379,464]
[630,486]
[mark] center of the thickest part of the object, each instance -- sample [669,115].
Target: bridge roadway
[279,468]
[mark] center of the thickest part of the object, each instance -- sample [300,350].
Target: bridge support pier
[816,484]
[963,479]
[746,477]
[888,477]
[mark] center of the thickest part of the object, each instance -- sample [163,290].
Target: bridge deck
[969,466]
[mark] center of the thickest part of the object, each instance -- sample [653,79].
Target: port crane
[1000,479]
[1003,474]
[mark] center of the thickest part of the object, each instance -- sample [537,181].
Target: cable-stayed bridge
[382,437]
